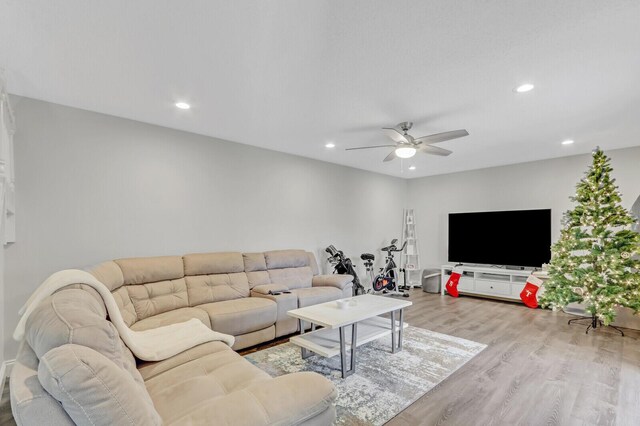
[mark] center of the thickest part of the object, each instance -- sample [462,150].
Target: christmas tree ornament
[595,262]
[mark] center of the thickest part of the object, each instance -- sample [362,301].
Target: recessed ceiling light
[405,152]
[183,105]
[330,145]
[567,142]
[527,87]
[412,167]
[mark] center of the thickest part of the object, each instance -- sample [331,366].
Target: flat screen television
[510,238]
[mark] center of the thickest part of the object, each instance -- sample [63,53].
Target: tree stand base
[593,324]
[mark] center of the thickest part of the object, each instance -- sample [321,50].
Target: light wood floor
[536,370]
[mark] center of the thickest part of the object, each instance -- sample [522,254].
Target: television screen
[511,238]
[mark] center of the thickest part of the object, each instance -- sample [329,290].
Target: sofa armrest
[286,400]
[267,288]
[334,280]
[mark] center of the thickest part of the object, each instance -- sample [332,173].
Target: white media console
[486,281]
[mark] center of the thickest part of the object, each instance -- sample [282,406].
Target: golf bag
[342,265]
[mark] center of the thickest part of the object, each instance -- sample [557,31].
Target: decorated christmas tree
[595,261]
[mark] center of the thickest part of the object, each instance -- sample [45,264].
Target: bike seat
[367,256]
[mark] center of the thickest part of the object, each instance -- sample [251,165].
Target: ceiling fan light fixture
[405,151]
[523,88]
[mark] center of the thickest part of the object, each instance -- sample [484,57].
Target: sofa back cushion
[93,390]
[289,267]
[214,277]
[108,273]
[154,284]
[123,300]
[278,259]
[255,265]
[292,277]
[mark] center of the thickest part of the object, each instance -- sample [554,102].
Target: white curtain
[7,176]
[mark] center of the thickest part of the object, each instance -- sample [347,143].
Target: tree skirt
[384,383]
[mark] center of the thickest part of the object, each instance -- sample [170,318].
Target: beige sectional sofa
[73,366]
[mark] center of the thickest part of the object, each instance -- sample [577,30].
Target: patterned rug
[384,383]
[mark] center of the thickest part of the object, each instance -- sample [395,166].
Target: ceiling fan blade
[391,156]
[441,137]
[429,149]
[367,147]
[395,135]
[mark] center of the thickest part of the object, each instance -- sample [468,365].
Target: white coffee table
[357,324]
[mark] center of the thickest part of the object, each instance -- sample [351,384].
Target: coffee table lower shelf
[326,341]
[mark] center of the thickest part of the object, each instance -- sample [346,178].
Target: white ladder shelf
[410,256]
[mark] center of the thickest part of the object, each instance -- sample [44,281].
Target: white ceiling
[293,75]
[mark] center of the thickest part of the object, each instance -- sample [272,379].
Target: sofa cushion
[123,300]
[216,287]
[213,263]
[108,273]
[293,399]
[256,278]
[241,316]
[180,384]
[292,277]
[277,259]
[141,270]
[172,317]
[314,295]
[151,369]
[254,262]
[158,297]
[93,390]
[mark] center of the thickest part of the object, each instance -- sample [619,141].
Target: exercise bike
[387,280]
[342,265]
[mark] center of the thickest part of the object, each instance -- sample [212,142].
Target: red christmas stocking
[530,291]
[452,283]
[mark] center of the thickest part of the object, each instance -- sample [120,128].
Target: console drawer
[465,284]
[516,289]
[493,287]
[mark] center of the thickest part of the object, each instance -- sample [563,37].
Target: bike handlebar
[393,248]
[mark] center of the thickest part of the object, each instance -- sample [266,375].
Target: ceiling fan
[406,145]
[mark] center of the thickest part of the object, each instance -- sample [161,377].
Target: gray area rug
[384,383]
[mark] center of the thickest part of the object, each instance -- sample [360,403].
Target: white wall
[535,185]
[92,187]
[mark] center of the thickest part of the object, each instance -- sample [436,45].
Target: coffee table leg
[400,332]
[354,345]
[304,352]
[393,332]
[343,350]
